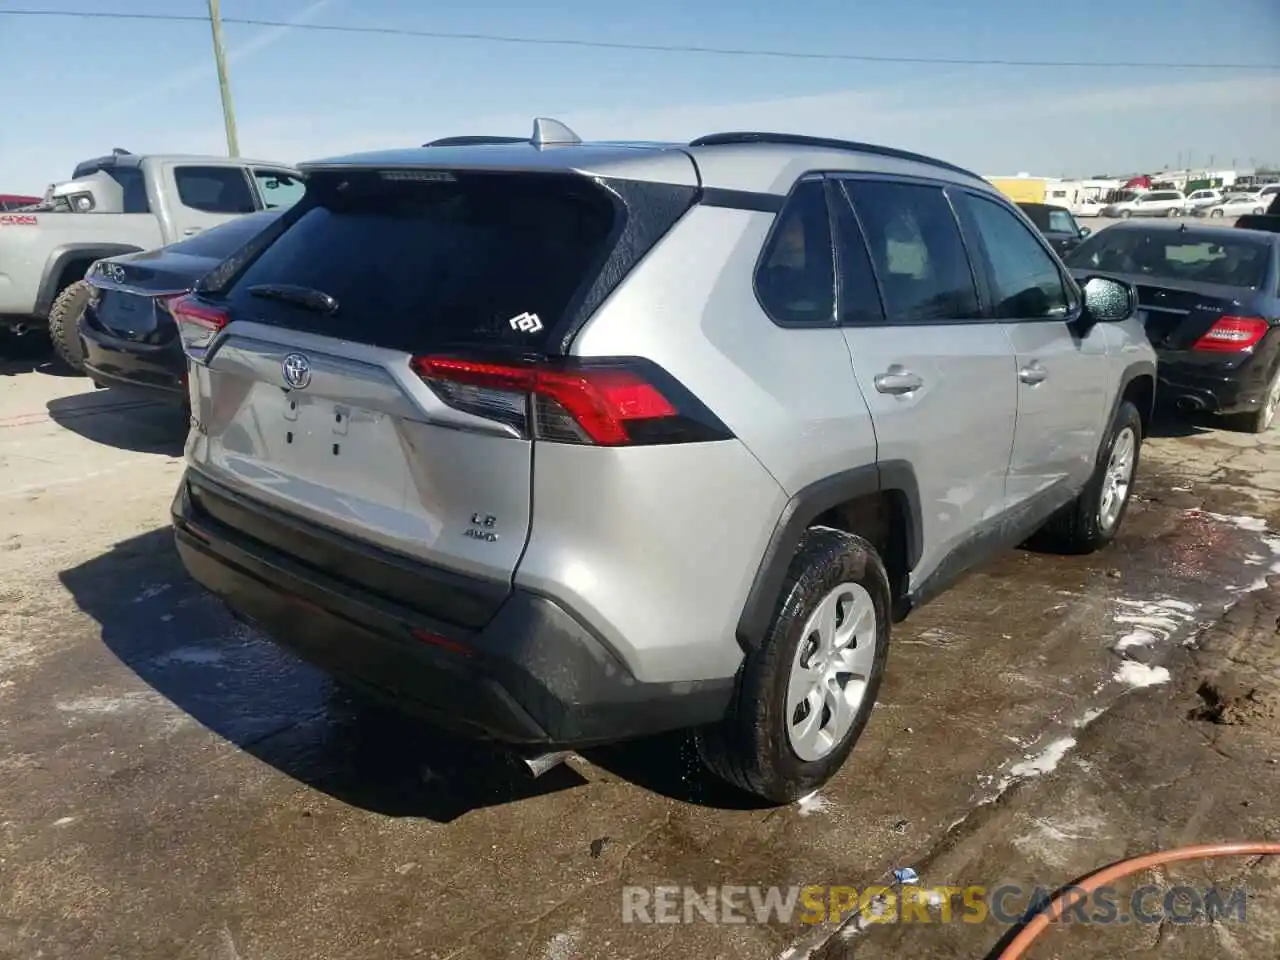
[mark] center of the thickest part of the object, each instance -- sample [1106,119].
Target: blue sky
[74,88]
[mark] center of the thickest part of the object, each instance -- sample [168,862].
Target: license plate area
[346,449]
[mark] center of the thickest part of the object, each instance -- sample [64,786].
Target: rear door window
[917,250]
[214,189]
[420,261]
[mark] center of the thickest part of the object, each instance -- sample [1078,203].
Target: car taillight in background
[613,402]
[1232,334]
[198,323]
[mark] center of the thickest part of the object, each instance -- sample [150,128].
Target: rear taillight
[1232,334]
[611,402]
[198,323]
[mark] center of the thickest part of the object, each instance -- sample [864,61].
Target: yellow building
[1022,188]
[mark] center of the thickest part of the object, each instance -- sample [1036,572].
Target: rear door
[1062,370]
[939,378]
[203,195]
[321,411]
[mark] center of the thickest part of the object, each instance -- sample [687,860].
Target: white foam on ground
[1139,675]
[813,803]
[1046,761]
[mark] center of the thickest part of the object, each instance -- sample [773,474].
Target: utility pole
[224,87]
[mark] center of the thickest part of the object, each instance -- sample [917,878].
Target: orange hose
[1053,910]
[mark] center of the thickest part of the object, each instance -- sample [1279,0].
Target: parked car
[1234,205]
[1154,203]
[1057,225]
[1090,207]
[10,202]
[1210,298]
[455,438]
[1268,222]
[1203,198]
[121,203]
[128,338]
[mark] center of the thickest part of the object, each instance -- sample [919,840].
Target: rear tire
[831,666]
[64,324]
[1092,520]
[1261,420]
[1257,211]
[1126,214]
[1215,213]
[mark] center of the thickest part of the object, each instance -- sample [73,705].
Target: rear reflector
[611,402]
[198,323]
[1232,334]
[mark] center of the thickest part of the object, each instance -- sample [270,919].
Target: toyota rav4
[562,443]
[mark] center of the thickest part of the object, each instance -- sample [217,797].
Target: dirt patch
[1232,707]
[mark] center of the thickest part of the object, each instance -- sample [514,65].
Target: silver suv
[563,443]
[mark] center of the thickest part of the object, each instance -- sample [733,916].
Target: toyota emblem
[297,371]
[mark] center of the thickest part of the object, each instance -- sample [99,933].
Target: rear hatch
[315,399]
[1187,283]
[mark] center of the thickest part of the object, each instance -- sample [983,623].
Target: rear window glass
[419,264]
[226,238]
[1175,255]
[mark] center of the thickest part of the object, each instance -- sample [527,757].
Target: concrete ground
[173,786]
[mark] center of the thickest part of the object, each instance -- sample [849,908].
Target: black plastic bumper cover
[1215,388]
[157,369]
[533,675]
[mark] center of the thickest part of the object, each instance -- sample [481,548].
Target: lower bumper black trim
[534,675]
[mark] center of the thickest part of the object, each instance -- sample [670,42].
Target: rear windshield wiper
[305,297]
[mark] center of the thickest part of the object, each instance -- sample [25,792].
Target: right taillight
[614,402]
[198,323]
[1232,334]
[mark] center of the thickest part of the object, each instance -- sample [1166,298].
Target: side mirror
[1085,231]
[1109,301]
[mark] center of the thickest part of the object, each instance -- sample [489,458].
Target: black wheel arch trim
[890,476]
[1139,368]
[60,257]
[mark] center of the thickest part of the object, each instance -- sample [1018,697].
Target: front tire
[1092,520]
[64,324]
[1126,214]
[804,697]
[1215,213]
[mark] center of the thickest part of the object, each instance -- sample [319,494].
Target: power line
[639,47]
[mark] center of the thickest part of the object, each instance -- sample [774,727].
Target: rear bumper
[159,370]
[1217,386]
[534,674]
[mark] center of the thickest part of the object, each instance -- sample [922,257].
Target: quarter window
[795,281]
[919,257]
[1026,281]
[214,189]
[1060,222]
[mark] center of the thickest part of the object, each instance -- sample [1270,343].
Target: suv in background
[1154,203]
[562,443]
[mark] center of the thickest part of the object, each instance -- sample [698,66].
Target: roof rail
[467,140]
[826,143]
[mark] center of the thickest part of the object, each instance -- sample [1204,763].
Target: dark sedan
[1210,300]
[1057,224]
[128,335]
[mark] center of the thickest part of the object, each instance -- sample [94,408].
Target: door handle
[190,231]
[1033,373]
[896,380]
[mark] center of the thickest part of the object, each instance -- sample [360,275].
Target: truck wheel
[64,324]
[806,694]
[1091,521]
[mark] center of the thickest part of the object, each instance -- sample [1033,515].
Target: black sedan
[1057,224]
[1209,298]
[128,337]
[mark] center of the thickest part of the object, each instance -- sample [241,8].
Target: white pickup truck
[122,203]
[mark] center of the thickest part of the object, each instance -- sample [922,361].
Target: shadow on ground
[127,421]
[30,353]
[184,644]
